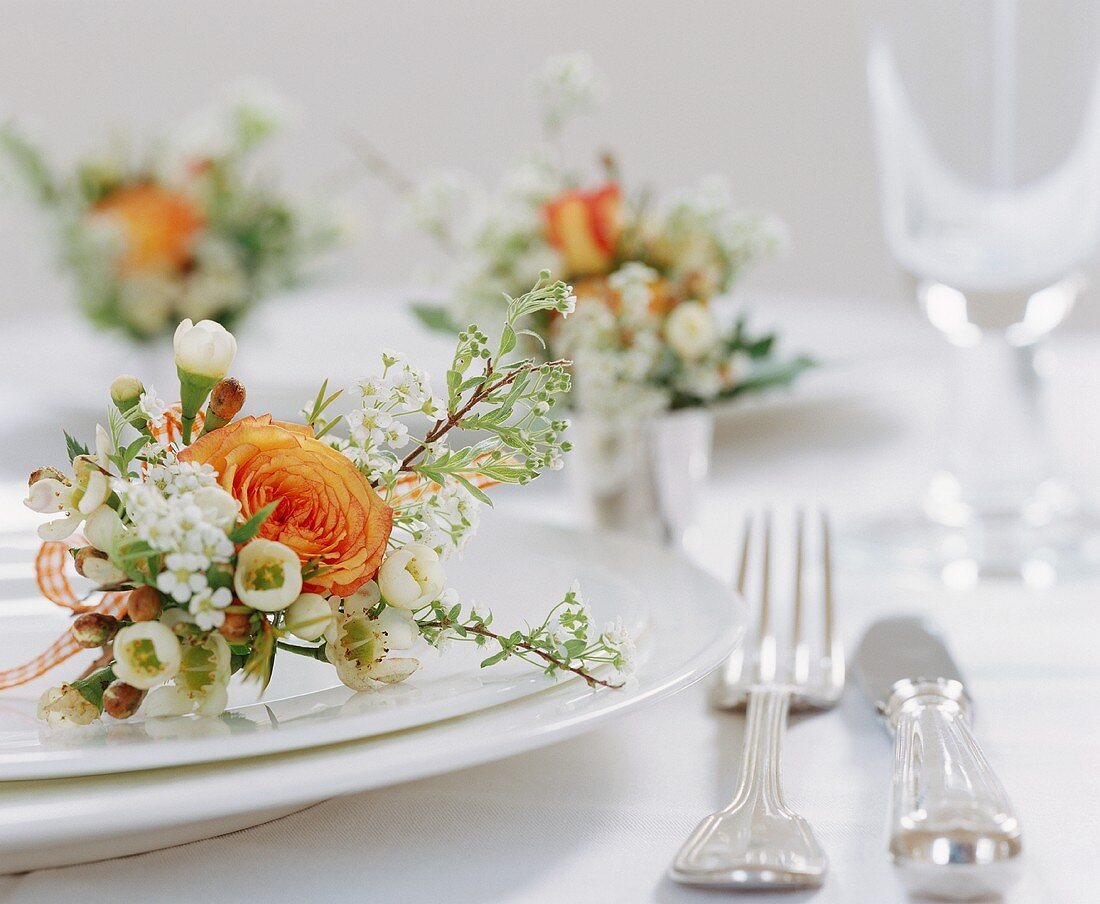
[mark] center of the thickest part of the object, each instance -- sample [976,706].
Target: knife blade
[953,832]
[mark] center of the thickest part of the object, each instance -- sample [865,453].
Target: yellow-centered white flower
[268,576]
[51,492]
[690,330]
[205,349]
[356,644]
[103,528]
[102,572]
[66,707]
[400,627]
[200,686]
[308,617]
[411,577]
[146,654]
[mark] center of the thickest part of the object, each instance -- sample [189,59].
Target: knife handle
[952,829]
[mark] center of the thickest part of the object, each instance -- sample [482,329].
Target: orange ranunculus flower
[585,227]
[328,512]
[159,226]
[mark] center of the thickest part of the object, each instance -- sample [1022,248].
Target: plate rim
[52,812]
[75,763]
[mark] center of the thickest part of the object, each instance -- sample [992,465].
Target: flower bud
[237,627]
[95,566]
[204,352]
[144,604]
[205,349]
[126,392]
[411,577]
[94,629]
[121,700]
[309,616]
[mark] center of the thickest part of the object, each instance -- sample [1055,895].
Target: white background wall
[769,92]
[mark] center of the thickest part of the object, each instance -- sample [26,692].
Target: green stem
[317,652]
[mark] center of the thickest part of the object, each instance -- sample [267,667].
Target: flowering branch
[560,643]
[455,418]
[515,645]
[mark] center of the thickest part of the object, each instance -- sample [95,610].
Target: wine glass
[986,121]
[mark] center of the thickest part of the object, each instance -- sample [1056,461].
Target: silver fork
[758,842]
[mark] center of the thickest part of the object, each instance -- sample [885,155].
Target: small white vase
[645,478]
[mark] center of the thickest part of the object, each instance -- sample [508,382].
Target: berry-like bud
[94,629]
[121,700]
[227,398]
[126,391]
[144,604]
[237,627]
[226,401]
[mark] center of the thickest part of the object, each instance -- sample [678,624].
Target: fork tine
[800,649]
[832,638]
[765,636]
[746,542]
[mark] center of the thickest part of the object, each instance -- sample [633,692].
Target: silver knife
[952,829]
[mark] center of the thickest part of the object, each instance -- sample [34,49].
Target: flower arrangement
[645,338]
[220,542]
[184,231]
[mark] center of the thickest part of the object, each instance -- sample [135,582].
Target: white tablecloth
[599,818]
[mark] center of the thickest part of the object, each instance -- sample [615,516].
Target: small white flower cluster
[180,510]
[572,619]
[153,407]
[616,637]
[703,232]
[444,519]
[376,428]
[611,377]
[568,86]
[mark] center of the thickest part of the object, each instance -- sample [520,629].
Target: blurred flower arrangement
[645,338]
[220,542]
[185,230]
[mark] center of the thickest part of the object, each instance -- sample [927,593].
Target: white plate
[692,624]
[517,569]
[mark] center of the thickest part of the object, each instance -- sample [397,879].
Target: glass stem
[996,458]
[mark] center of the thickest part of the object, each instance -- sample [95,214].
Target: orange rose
[159,226]
[328,512]
[585,227]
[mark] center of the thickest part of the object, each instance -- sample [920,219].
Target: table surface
[601,816]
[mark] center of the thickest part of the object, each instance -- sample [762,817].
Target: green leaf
[92,687]
[436,318]
[243,532]
[507,341]
[74,447]
[494,659]
[475,491]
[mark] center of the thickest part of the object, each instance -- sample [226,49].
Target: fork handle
[953,832]
[765,725]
